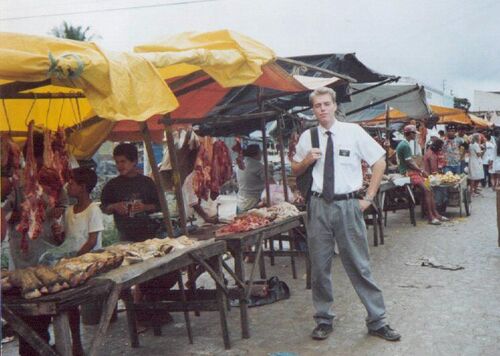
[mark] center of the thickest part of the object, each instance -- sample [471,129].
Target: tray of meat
[243,223]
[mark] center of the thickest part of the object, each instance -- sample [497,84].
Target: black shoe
[322,331]
[386,333]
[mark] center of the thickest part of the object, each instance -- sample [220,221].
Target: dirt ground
[438,312]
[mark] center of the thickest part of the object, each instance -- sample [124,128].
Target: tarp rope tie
[62,68]
[6,115]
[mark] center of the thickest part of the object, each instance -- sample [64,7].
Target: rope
[60,113]
[62,68]
[31,108]
[47,114]
[6,115]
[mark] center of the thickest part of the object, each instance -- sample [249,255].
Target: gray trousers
[341,221]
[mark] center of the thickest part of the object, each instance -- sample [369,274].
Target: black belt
[347,196]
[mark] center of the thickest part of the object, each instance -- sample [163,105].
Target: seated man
[408,167]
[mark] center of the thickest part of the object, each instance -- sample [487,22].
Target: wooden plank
[54,303]
[179,197]
[184,307]
[156,174]
[239,270]
[221,302]
[127,276]
[107,312]
[498,215]
[131,317]
[27,333]
[62,333]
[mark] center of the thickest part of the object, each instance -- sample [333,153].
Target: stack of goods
[257,218]
[212,168]
[142,251]
[444,179]
[34,282]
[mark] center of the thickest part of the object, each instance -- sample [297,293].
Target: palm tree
[71,32]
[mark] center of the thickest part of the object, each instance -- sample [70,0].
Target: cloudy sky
[450,43]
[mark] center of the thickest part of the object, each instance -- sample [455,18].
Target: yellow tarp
[230,58]
[117,86]
[479,121]
[446,116]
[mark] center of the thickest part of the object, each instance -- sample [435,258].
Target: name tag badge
[344,153]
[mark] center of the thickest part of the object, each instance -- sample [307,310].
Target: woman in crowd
[476,173]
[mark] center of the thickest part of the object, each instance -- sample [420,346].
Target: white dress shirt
[351,144]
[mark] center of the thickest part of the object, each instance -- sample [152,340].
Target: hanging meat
[202,168]
[55,171]
[33,206]
[292,144]
[239,150]
[221,170]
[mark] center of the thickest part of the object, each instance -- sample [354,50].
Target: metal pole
[156,174]
[176,177]
[282,157]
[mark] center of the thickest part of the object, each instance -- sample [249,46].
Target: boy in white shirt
[83,225]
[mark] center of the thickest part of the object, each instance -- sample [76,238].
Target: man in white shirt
[335,212]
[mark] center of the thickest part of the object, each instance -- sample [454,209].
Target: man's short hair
[322,91]
[84,175]
[128,150]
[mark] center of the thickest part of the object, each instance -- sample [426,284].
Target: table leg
[131,317]
[291,242]
[107,313]
[221,301]
[62,333]
[186,312]
[27,333]
[271,248]
[239,269]
[262,266]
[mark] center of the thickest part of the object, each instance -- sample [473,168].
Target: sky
[450,44]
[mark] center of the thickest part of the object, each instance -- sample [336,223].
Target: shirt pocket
[346,156]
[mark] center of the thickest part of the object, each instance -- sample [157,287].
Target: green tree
[77,33]
[461,103]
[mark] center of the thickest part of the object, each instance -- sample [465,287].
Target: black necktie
[328,174]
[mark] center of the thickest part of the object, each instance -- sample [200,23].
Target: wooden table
[207,253]
[56,305]
[388,188]
[110,286]
[236,244]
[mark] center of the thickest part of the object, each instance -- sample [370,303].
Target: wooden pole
[176,177]
[266,162]
[156,174]
[264,148]
[498,214]
[387,110]
[282,157]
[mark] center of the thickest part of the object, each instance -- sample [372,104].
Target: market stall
[115,284]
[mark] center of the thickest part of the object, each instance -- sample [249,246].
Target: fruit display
[444,179]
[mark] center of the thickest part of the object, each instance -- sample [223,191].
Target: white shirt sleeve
[303,146]
[369,150]
[190,198]
[95,219]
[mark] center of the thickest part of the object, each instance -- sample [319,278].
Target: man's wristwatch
[368,199]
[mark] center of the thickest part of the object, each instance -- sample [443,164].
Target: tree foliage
[77,33]
[461,103]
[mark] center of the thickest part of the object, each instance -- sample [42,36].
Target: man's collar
[332,129]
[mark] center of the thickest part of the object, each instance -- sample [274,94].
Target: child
[83,222]
[83,226]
